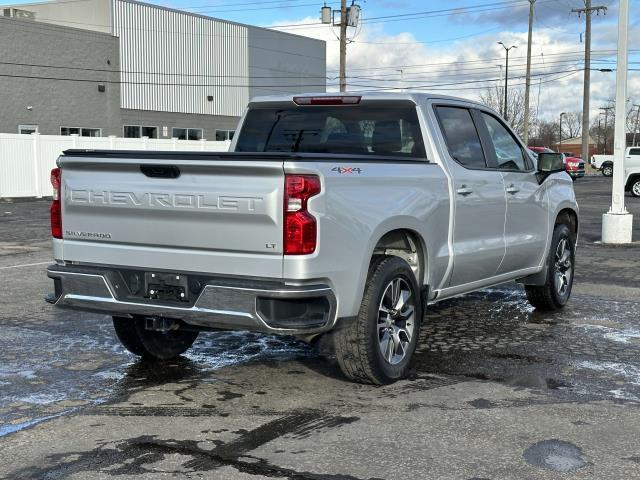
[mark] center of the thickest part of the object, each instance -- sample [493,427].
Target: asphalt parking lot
[496,390]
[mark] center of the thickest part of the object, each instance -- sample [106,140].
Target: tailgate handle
[160,171]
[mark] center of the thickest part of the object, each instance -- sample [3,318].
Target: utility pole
[617,223]
[506,77]
[635,127]
[343,45]
[587,10]
[528,76]
[349,17]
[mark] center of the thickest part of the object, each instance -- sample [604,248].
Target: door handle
[512,189]
[464,191]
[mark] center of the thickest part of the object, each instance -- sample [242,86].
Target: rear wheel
[635,188]
[378,345]
[155,344]
[555,293]
[607,170]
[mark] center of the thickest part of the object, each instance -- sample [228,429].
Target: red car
[573,165]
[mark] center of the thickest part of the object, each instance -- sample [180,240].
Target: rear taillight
[300,227]
[56,205]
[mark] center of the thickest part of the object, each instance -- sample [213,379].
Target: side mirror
[549,163]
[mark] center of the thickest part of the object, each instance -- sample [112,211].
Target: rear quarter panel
[356,208]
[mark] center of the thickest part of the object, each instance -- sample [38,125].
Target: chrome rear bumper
[232,305]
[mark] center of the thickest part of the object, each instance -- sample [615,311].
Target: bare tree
[571,124]
[546,134]
[494,97]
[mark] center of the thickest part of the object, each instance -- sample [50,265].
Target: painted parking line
[25,265]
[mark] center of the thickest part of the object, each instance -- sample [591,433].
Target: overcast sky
[432,35]
[450,47]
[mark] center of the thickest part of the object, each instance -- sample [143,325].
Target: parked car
[574,165]
[335,216]
[604,163]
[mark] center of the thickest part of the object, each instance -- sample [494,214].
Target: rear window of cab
[375,128]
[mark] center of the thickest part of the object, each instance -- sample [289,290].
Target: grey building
[62,102]
[179,74]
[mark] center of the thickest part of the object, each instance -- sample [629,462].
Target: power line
[457,71]
[162,84]
[482,60]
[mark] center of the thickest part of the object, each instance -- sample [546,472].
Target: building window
[131,131]
[187,133]
[151,132]
[138,131]
[27,129]
[83,132]
[222,135]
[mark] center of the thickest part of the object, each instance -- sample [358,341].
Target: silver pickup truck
[336,216]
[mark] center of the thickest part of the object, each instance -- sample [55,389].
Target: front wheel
[378,345]
[607,170]
[153,344]
[555,293]
[635,188]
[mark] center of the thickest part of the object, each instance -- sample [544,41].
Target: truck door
[527,221]
[480,205]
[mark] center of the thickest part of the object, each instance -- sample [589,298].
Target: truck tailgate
[145,209]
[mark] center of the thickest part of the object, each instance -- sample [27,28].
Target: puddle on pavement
[588,351]
[53,368]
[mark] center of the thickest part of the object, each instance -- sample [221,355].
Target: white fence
[26,160]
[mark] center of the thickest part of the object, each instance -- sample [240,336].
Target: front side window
[461,136]
[377,128]
[508,152]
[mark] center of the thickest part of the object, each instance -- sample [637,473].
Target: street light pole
[560,137]
[606,117]
[617,223]
[506,77]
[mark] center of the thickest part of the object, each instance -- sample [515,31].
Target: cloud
[378,60]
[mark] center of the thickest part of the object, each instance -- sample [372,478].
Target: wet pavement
[496,389]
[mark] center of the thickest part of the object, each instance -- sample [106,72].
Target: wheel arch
[569,217]
[633,178]
[407,244]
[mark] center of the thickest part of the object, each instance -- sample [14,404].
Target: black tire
[128,335]
[151,343]
[607,170]
[552,295]
[634,188]
[358,345]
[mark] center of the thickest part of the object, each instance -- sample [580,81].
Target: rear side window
[634,151]
[461,136]
[383,130]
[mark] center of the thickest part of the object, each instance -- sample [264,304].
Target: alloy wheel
[562,267]
[396,320]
